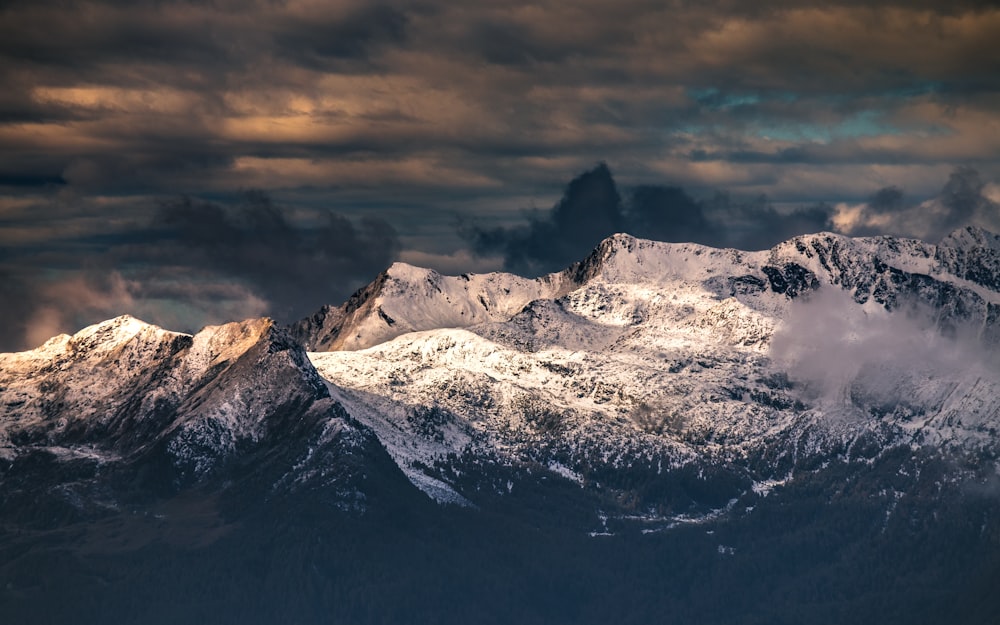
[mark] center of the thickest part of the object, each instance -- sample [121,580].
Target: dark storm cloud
[19,306]
[295,269]
[591,209]
[756,224]
[99,40]
[887,200]
[323,43]
[665,213]
[194,262]
[962,196]
[29,179]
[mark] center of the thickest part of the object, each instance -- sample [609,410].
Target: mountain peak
[405,298]
[973,254]
[227,342]
[113,333]
[620,238]
[971,237]
[118,326]
[585,270]
[405,271]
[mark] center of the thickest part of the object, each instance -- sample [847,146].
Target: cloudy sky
[195,162]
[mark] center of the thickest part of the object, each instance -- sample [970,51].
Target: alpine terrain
[659,433]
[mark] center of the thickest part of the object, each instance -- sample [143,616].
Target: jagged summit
[106,334]
[406,299]
[214,344]
[663,354]
[124,342]
[971,237]
[972,254]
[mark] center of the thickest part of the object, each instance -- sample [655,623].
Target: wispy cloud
[964,200]
[857,361]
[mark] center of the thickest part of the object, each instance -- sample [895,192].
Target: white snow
[79,384]
[648,355]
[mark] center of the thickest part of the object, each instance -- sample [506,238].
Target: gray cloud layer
[409,112]
[592,208]
[192,262]
[213,96]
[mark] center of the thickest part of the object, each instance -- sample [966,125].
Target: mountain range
[809,431]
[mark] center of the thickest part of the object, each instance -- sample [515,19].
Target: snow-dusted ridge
[406,299]
[655,356]
[654,364]
[124,393]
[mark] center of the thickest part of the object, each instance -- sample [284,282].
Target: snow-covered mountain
[651,362]
[801,434]
[667,381]
[124,407]
[405,299]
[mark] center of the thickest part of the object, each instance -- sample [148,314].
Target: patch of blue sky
[863,124]
[717,99]
[755,122]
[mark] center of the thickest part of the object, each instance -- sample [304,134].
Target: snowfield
[644,362]
[672,354]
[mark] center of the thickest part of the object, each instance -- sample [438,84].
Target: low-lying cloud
[965,199]
[295,268]
[861,360]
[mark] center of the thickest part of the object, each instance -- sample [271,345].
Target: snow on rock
[660,355]
[74,381]
[123,389]
[405,299]
[643,362]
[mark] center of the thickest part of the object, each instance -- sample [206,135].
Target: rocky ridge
[662,381]
[666,360]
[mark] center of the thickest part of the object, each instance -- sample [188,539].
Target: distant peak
[229,341]
[405,271]
[111,334]
[620,237]
[971,237]
[123,326]
[248,328]
[120,320]
[824,237]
